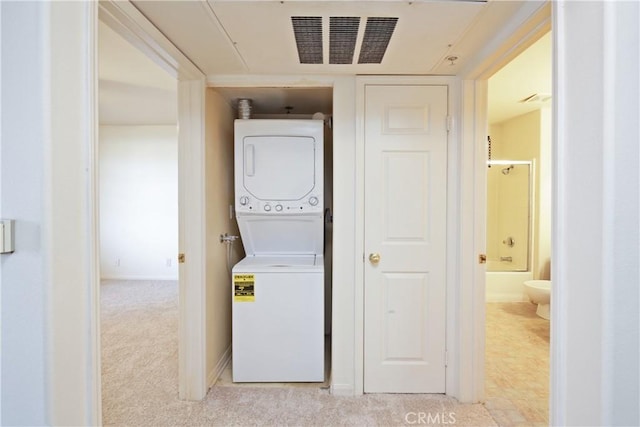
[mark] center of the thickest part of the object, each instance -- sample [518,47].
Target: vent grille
[343,33]
[536,98]
[377,35]
[343,36]
[308,34]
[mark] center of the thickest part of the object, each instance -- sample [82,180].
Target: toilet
[539,292]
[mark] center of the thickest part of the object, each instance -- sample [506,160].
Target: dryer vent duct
[244,108]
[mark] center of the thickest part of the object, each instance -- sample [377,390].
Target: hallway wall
[23,332]
[139,202]
[48,327]
[219,195]
[595,369]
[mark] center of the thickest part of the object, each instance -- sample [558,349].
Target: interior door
[405,238]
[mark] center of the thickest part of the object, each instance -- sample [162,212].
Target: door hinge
[180,258]
[449,123]
[446,358]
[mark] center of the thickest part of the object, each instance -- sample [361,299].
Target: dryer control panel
[247,204]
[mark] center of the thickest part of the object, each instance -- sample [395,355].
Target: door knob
[374,258]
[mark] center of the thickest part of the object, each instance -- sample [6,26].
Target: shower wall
[508,216]
[528,138]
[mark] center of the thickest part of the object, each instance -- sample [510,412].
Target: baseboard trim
[342,390]
[219,368]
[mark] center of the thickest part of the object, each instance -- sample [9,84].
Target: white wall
[23,157]
[596,243]
[0,211]
[542,268]
[138,202]
[219,195]
[49,334]
[345,244]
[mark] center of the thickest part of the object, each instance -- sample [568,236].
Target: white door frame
[532,22]
[127,21]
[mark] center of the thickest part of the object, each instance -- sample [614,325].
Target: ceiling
[133,90]
[257,37]
[528,74]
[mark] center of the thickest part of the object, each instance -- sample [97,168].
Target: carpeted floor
[140,380]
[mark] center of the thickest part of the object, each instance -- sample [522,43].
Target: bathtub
[506,286]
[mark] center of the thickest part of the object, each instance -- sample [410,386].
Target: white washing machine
[278,319]
[278,289]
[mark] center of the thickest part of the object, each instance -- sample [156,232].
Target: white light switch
[6,236]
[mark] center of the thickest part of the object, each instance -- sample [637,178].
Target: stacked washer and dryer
[278,288]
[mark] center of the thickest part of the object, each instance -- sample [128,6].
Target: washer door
[282,234]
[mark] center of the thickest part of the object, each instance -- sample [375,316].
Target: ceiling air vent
[377,34]
[343,33]
[308,33]
[537,98]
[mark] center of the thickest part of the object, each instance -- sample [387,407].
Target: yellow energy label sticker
[244,288]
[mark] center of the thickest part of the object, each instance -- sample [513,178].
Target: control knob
[313,200]
[278,208]
[267,208]
[244,200]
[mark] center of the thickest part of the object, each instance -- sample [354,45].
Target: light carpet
[140,380]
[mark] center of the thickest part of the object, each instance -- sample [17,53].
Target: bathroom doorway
[518,236]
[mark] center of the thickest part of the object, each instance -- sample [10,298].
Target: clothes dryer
[279,167]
